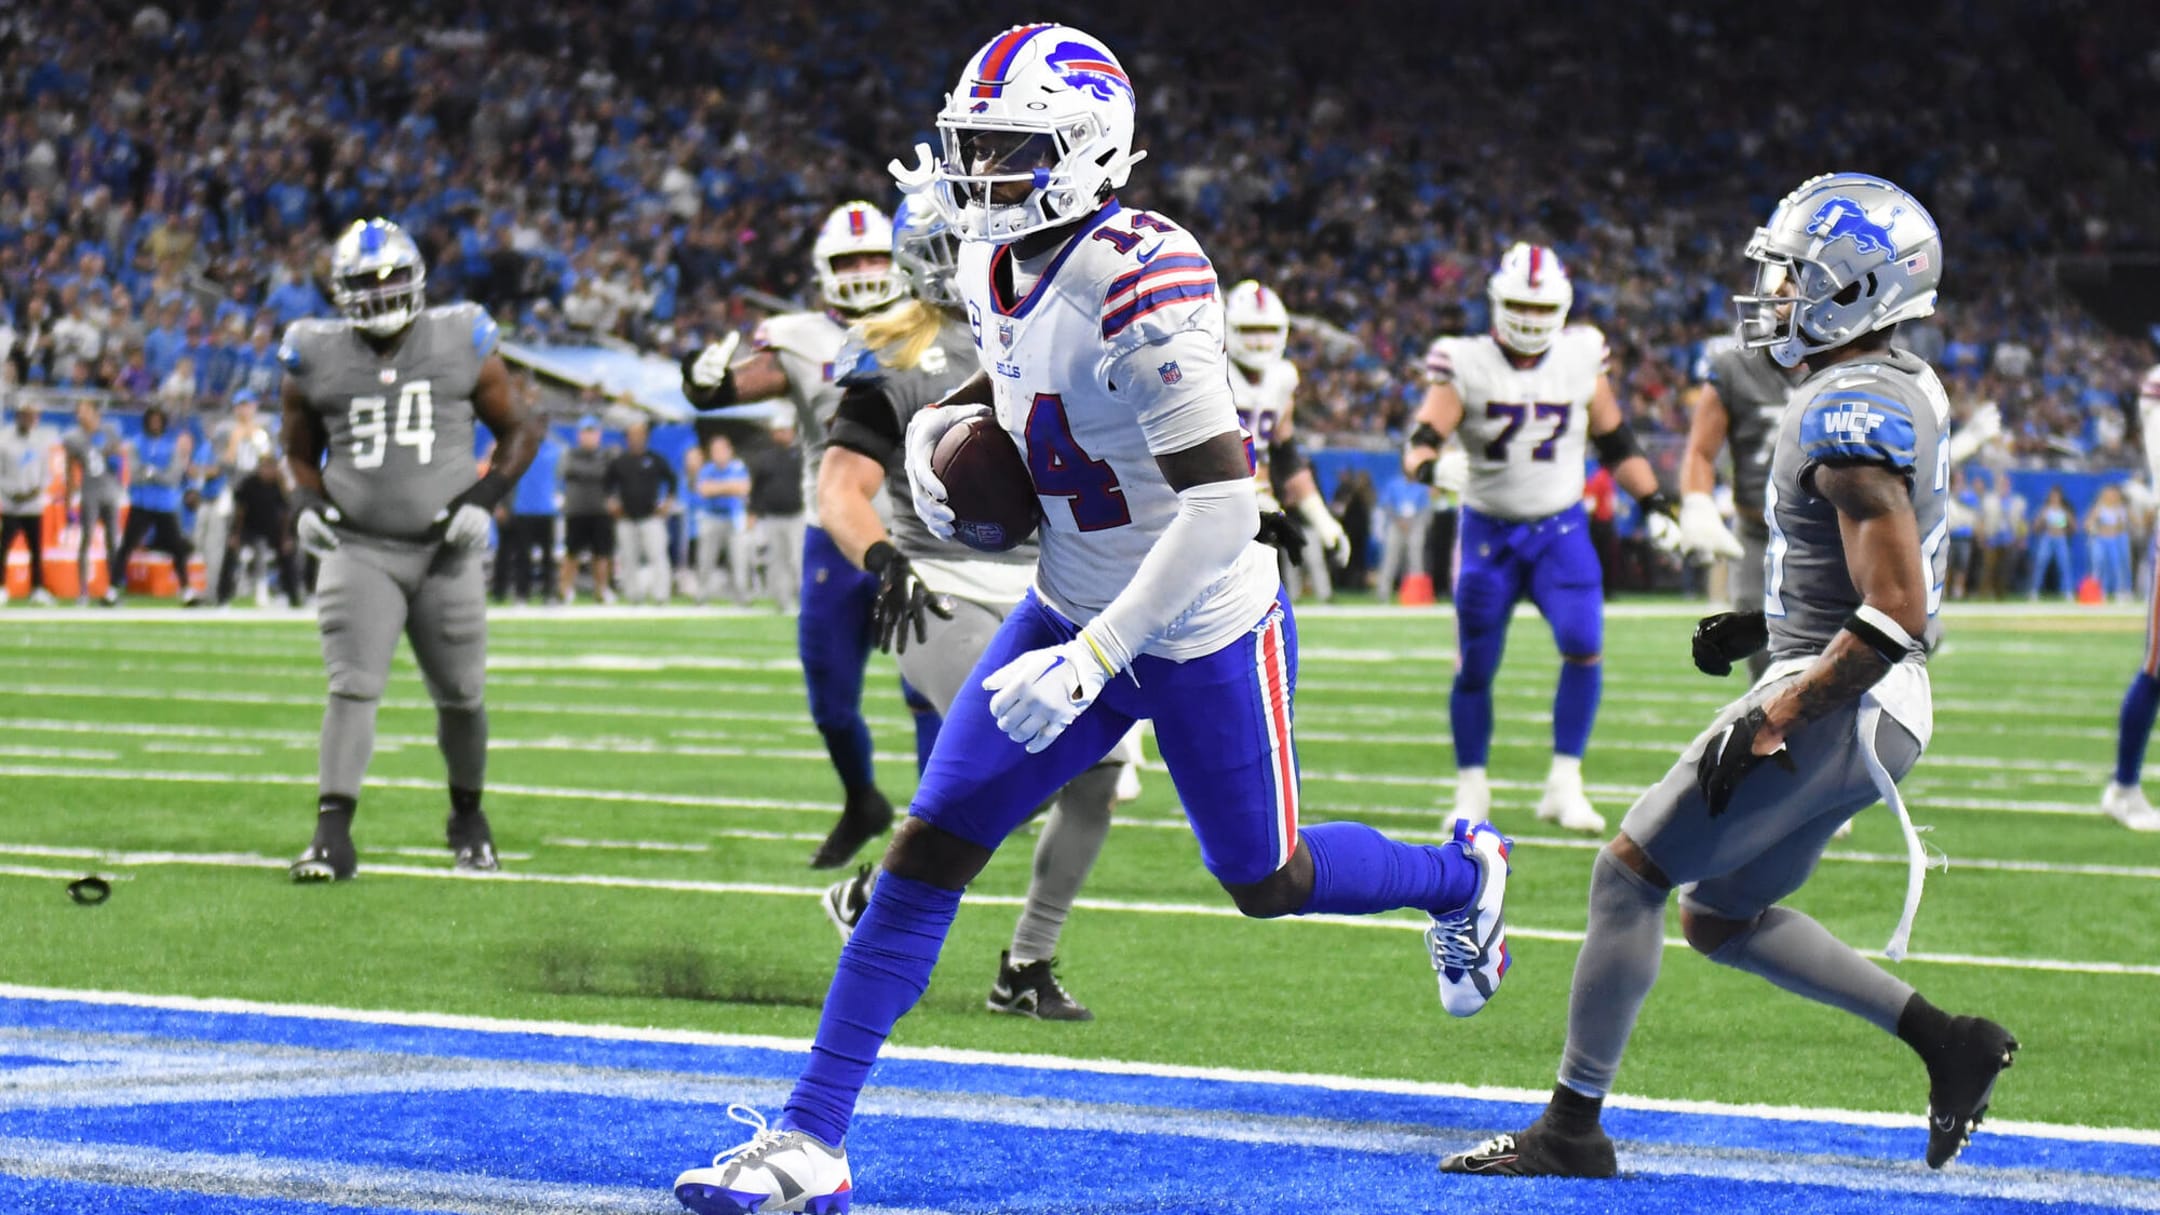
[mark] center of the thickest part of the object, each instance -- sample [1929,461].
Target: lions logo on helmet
[925,252]
[854,257]
[1259,326]
[1530,294]
[1037,133]
[1846,254]
[378,279]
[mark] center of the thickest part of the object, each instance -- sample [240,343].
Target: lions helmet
[858,233]
[1037,134]
[378,279]
[1530,295]
[926,252]
[1259,326]
[1846,254]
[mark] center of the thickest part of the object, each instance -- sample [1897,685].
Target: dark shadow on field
[666,972]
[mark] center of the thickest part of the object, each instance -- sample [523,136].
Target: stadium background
[620,182]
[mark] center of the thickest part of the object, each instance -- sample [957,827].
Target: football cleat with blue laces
[1469,945]
[776,1172]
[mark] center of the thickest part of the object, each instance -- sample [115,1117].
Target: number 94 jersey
[399,424]
[1112,357]
[1525,429]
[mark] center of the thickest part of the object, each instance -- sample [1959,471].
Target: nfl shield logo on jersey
[1170,373]
[1005,334]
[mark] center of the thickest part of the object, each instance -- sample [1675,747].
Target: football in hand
[987,485]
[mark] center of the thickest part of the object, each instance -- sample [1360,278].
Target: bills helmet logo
[1171,373]
[1840,218]
[1091,70]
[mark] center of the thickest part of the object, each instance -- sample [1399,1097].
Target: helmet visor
[999,166]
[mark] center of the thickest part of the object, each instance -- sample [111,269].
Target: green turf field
[656,788]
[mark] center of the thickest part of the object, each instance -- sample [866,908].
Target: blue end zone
[116,1108]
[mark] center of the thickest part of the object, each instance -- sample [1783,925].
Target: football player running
[1102,336]
[1264,385]
[2124,799]
[1527,398]
[793,355]
[379,408]
[939,602]
[1855,511]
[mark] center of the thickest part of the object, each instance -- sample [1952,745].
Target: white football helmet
[1259,326]
[378,279]
[1846,254]
[1037,133]
[860,231]
[1530,295]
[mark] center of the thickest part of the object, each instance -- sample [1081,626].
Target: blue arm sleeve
[1848,425]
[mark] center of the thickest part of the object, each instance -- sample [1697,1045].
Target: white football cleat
[1844,830]
[1564,802]
[1469,946]
[2126,804]
[777,1171]
[1473,801]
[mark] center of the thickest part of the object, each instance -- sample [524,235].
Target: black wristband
[1425,436]
[1886,647]
[880,555]
[1424,472]
[488,491]
[719,396]
[1658,502]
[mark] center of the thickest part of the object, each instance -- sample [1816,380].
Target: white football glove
[1658,519]
[1452,474]
[1035,696]
[313,527]
[923,432]
[1967,440]
[712,363]
[468,526]
[1703,535]
[1320,524]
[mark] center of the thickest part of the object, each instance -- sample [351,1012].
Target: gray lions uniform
[1752,388]
[984,586]
[980,589]
[1890,410]
[400,448]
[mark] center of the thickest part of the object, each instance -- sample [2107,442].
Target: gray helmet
[1844,255]
[926,251]
[377,277]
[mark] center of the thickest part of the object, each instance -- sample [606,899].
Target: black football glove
[1730,756]
[1727,638]
[1284,532]
[902,599]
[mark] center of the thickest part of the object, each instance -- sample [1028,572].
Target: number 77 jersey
[1111,356]
[399,424]
[1525,427]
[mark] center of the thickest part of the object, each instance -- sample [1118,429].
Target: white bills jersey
[1264,407]
[807,343]
[2149,419]
[1525,429]
[1084,383]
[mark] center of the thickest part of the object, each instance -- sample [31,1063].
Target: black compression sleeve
[1285,459]
[1616,445]
[866,424]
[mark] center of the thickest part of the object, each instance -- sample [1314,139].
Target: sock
[883,970]
[348,740]
[1799,955]
[1358,871]
[1573,1113]
[2138,707]
[1470,722]
[927,723]
[1574,708]
[1072,837]
[335,811]
[1923,1027]
[1613,973]
[464,801]
[849,745]
[462,734]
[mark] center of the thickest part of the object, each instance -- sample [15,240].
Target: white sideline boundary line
[248,860]
[2133,1136]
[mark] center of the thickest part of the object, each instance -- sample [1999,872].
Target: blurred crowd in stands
[651,171]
